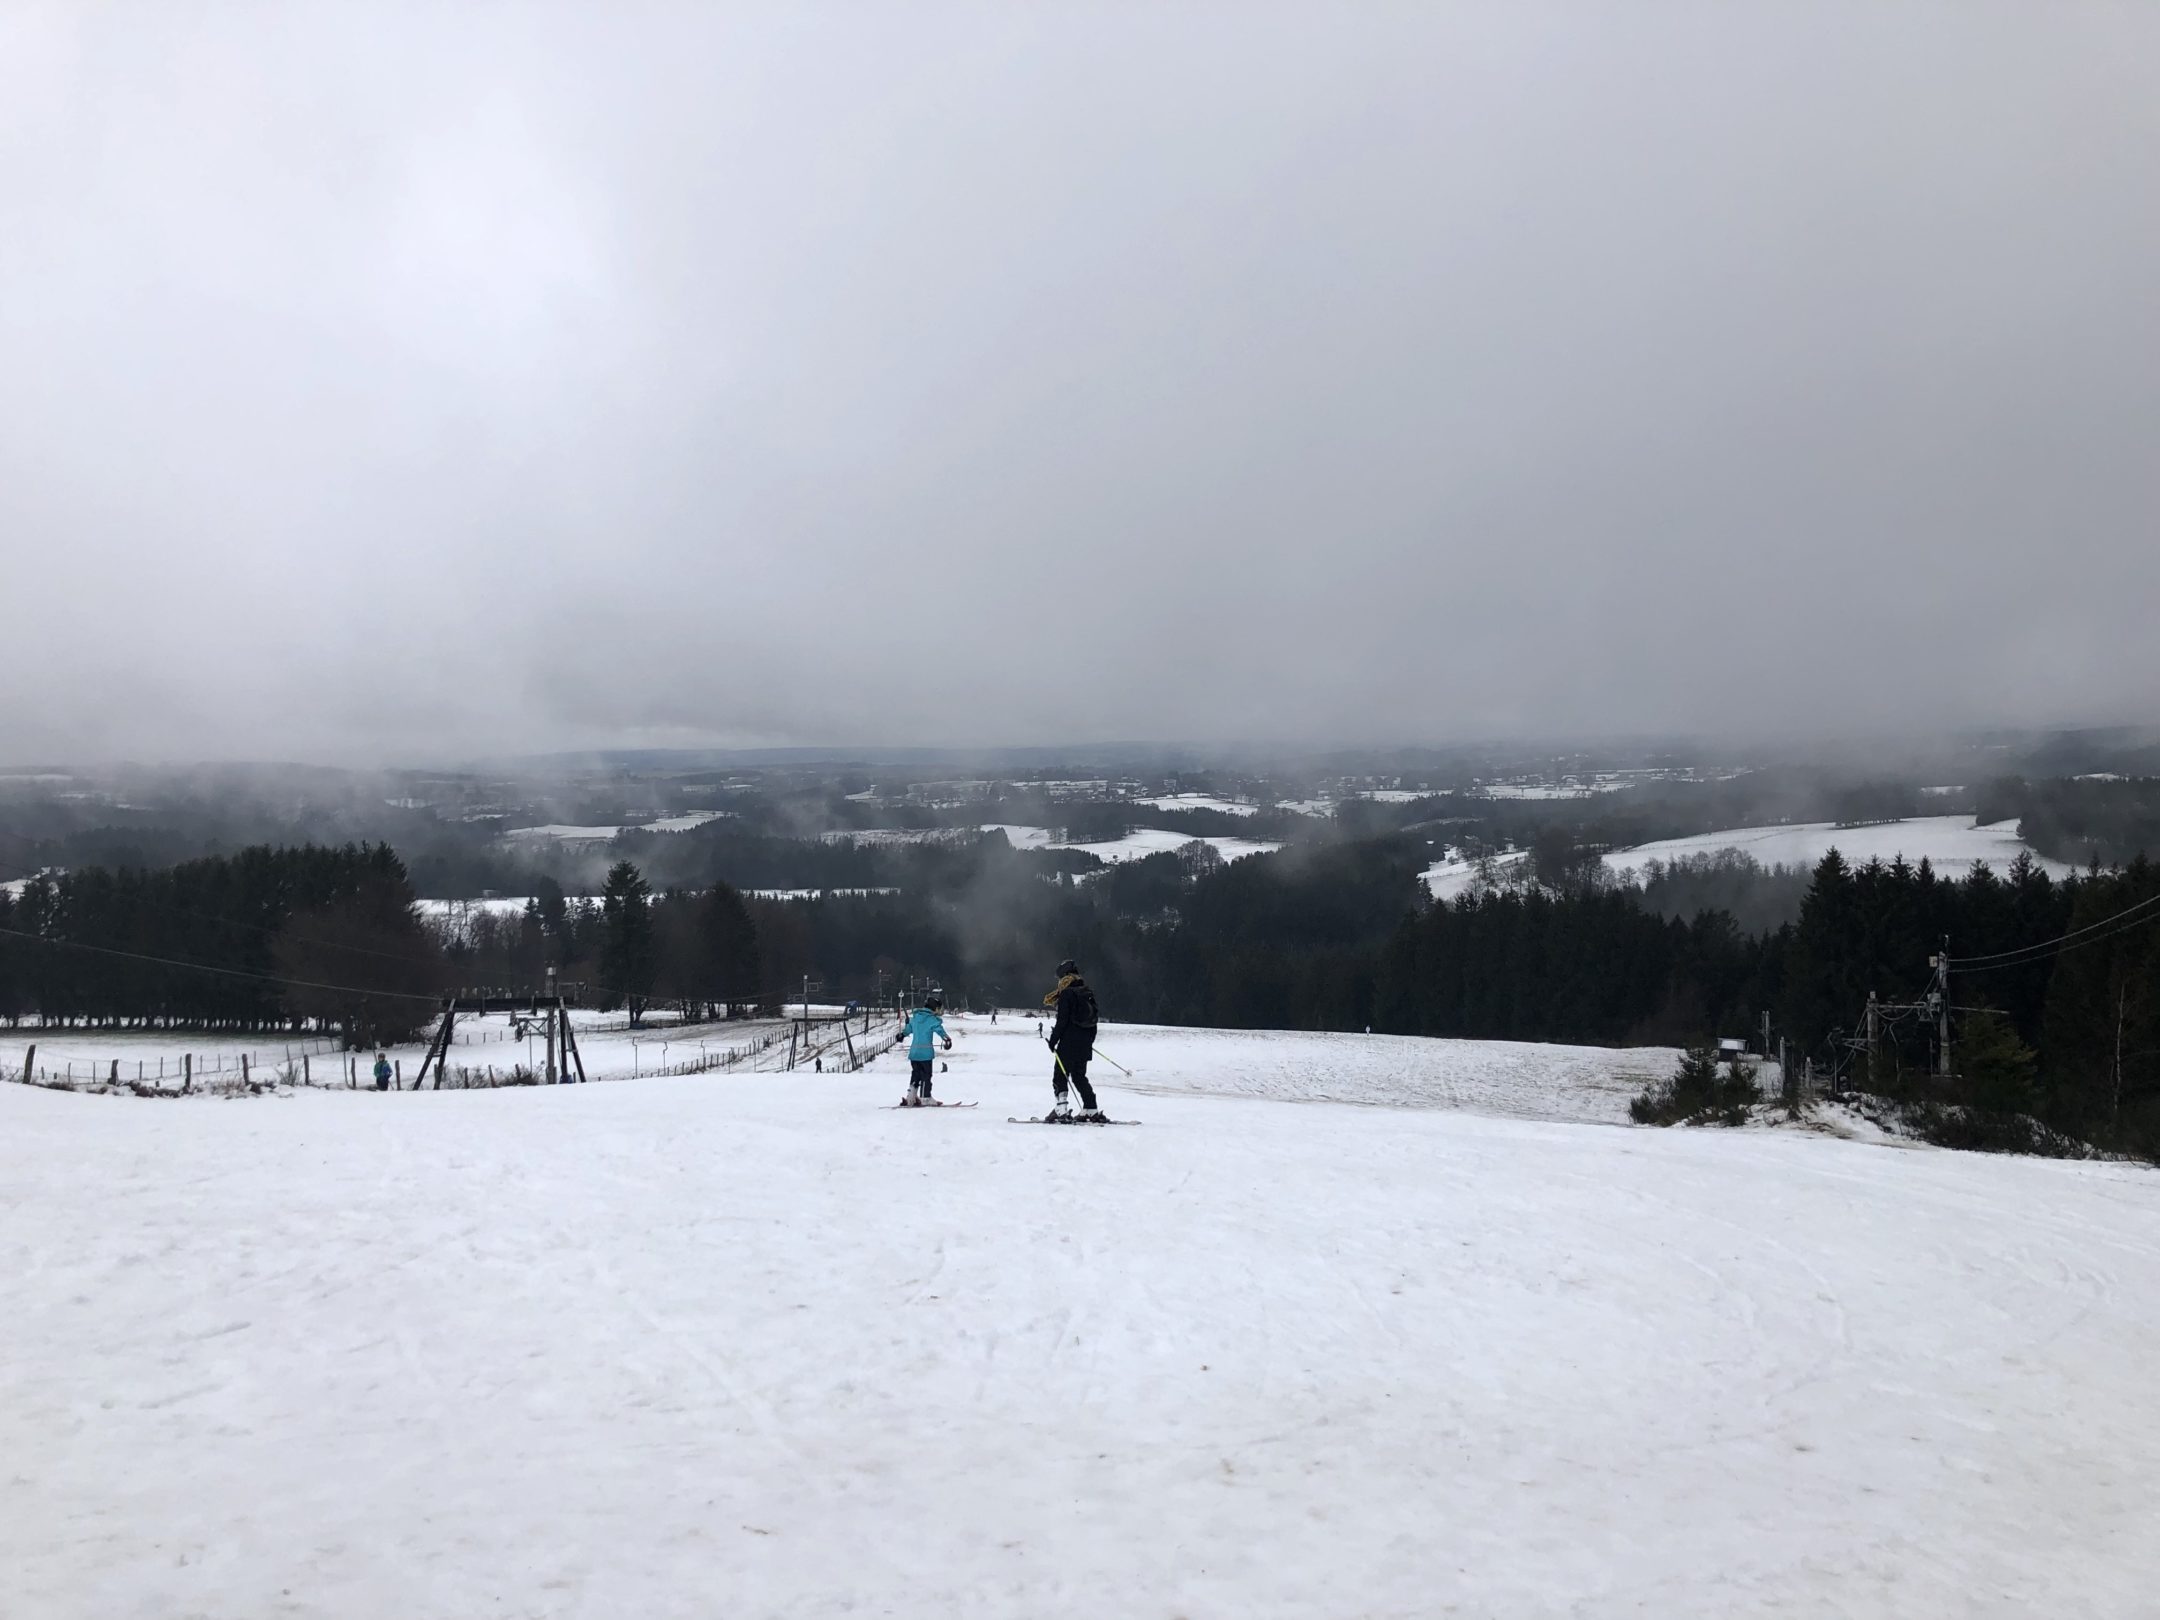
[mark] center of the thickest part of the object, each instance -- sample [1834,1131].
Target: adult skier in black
[1072,1041]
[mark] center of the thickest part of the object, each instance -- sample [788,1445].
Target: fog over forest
[395,384]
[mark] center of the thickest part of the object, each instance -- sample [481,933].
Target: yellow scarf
[1051,999]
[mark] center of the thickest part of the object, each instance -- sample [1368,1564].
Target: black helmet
[934,1003]
[1068,966]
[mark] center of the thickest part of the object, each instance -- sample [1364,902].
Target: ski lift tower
[547,1007]
[798,1045]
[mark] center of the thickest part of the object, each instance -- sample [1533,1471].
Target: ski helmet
[1068,966]
[934,1003]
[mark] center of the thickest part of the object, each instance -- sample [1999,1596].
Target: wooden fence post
[187,1071]
[571,1054]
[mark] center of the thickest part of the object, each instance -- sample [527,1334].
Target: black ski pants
[1072,1061]
[919,1074]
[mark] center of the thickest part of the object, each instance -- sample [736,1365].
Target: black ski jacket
[1074,1030]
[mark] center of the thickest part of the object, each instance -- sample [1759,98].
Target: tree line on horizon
[1335,936]
[332,939]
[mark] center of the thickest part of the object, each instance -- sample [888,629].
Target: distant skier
[924,1028]
[1072,1043]
[382,1072]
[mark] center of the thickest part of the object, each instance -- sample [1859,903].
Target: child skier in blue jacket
[923,1027]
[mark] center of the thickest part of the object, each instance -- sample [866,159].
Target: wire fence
[41,1065]
[824,1048]
[177,1075]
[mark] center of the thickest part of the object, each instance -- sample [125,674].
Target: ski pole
[1113,1062]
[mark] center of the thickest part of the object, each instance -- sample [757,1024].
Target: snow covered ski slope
[1493,1077]
[755,1345]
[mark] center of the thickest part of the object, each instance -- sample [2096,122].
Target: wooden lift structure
[552,1010]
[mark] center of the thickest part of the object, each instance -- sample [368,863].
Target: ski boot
[1060,1113]
[908,1099]
[1090,1116]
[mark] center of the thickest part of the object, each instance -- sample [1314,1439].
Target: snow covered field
[1022,837]
[1452,876]
[1142,842]
[1198,801]
[690,821]
[558,832]
[1529,791]
[1135,845]
[735,1346]
[1953,843]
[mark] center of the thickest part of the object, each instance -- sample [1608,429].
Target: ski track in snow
[753,1345]
[1517,1078]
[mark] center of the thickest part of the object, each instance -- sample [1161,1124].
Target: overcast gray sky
[384,381]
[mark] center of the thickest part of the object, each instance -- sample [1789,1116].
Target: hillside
[1953,843]
[751,1345]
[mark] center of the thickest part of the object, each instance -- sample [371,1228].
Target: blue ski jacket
[923,1027]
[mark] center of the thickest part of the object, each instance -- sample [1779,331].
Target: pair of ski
[1013,1120]
[1065,1119]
